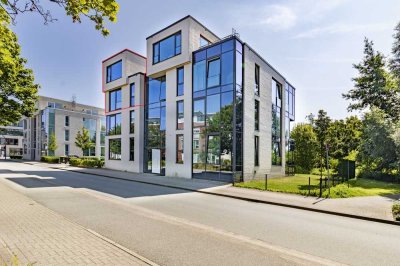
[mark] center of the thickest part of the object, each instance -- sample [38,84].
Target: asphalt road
[176,227]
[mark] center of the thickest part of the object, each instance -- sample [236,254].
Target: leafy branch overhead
[98,11]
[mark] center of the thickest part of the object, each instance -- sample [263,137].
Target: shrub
[396,211]
[87,162]
[50,159]
[15,156]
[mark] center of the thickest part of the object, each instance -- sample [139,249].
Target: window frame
[209,61]
[66,121]
[256,115]
[65,149]
[256,151]
[132,95]
[177,114]
[180,150]
[132,149]
[115,102]
[204,39]
[180,83]
[132,112]
[257,80]
[157,44]
[109,117]
[109,67]
[65,135]
[109,150]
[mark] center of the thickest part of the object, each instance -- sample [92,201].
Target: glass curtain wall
[155,125]
[289,117]
[90,125]
[276,123]
[213,110]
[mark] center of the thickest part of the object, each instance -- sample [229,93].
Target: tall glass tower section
[217,111]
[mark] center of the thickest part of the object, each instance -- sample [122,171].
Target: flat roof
[182,19]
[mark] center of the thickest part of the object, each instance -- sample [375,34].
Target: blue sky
[312,43]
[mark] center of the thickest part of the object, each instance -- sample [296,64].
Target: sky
[312,43]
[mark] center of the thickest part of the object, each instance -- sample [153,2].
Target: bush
[386,177]
[50,159]
[396,211]
[16,157]
[87,162]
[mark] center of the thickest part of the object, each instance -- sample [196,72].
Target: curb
[354,216]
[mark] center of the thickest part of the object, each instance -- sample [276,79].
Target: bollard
[266,181]
[309,183]
[320,187]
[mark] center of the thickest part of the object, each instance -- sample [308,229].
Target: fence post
[309,186]
[320,187]
[266,181]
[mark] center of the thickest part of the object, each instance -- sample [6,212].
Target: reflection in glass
[213,73]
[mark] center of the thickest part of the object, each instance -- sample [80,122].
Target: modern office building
[11,140]
[63,119]
[198,106]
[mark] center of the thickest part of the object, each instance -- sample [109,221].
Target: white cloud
[342,28]
[279,17]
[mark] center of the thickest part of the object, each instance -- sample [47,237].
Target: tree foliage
[321,127]
[306,151]
[374,86]
[52,145]
[395,60]
[18,92]
[83,140]
[98,11]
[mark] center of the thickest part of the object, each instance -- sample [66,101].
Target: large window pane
[213,154]
[131,149]
[198,113]
[114,147]
[199,76]
[213,74]
[132,94]
[132,122]
[114,71]
[213,113]
[179,149]
[257,115]
[167,48]
[115,100]
[227,68]
[180,81]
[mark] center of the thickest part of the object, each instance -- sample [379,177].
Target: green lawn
[299,185]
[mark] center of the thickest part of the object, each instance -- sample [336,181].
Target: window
[179,148]
[132,92]
[115,98]
[179,115]
[213,73]
[66,135]
[67,121]
[132,122]
[203,41]
[256,155]
[66,149]
[199,76]
[167,48]
[179,81]
[113,124]
[257,115]
[131,149]
[114,149]
[257,80]
[199,113]
[114,71]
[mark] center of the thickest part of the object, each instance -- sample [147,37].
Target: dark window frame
[256,115]
[205,39]
[180,83]
[257,80]
[115,103]
[65,135]
[131,149]
[132,97]
[256,151]
[108,118]
[109,150]
[179,150]
[157,44]
[130,122]
[66,121]
[177,114]
[108,77]
[210,60]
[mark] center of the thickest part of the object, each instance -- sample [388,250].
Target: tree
[52,146]
[18,92]
[373,86]
[83,140]
[321,126]
[394,64]
[306,151]
[378,147]
[98,11]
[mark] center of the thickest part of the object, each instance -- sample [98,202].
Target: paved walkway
[35,234]
[377,207]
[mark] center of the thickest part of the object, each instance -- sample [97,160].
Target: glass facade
[217,120]
[91,125]
[289,117]
[114,71]
[167,48]
[276,123]
[115,100]
[180,76]
[155,119]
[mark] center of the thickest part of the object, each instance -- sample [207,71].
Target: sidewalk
[35,234]
[373,208]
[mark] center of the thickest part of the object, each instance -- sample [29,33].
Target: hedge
[15,156]
[50,159]
[87,162]
[396,211]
